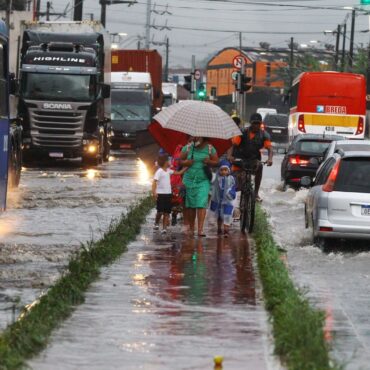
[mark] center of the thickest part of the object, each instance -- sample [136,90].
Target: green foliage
[360,61]
[17,4]
[29,334]
[297,327]
[303,62]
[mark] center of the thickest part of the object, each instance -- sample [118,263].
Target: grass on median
[29,335]
[298,328]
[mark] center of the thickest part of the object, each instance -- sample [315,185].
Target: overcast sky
[270,22]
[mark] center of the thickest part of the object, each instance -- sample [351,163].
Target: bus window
[294,95]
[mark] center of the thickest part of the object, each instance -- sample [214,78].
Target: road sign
[234,75]
[238,60]
[197,74]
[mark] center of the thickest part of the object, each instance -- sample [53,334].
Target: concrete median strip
[298,328]
[29,334]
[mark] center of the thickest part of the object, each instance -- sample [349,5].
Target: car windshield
[276,120]
[353,175]
[58,87]
[128,105]
[312,146]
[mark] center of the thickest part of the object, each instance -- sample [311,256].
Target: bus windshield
[58,87]
[129,105]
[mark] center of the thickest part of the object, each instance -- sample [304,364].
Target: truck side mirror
[13,84]
[105,91]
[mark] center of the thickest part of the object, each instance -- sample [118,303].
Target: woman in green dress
[196,156]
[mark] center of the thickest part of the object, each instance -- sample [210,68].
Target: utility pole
[167,58]
[192,91]
[48,6]
[343,47]
[147,25]
[103,12]
[350,61]
[337,48]
[291,62]
[7,15]
[78,10]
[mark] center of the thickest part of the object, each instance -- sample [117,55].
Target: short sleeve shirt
[236,140]
[163,181]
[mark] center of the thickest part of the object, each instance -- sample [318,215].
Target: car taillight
[360,126]
[301,123]
[298,160]
[329,185]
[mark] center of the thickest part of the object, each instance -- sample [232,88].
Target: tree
[360,61]
[16,4]
[265,45]
[305,61]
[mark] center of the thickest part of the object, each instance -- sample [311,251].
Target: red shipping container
[141,61]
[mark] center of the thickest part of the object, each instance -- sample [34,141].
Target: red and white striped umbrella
[199,119]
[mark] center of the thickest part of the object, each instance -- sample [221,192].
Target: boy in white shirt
[162,191]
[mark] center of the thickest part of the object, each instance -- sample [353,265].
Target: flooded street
[168,303]
[54,210]
[338,280]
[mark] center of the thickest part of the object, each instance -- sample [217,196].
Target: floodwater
[53,211]
[338,280]
[168,303]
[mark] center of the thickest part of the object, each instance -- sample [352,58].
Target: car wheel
[285,186]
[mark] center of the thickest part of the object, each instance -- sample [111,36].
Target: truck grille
[57,128]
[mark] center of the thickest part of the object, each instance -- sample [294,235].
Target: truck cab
[132,106]
[64,91]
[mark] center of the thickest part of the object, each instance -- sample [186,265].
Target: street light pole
[291,62]
[350,61]
[344,47]
[78,8]
[337,48]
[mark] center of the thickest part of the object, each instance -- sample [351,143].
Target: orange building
[261,65]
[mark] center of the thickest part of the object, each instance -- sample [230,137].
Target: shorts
[164,203]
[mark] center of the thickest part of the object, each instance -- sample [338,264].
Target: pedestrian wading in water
[196,156]
[223,194]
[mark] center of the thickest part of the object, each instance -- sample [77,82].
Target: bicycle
[248,196]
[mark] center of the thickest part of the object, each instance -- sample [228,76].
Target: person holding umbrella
[197,157]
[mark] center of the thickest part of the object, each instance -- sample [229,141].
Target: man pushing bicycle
[247,147]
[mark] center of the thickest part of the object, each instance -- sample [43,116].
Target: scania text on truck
[328,103]
[132,106]
[10,131]
[65,93]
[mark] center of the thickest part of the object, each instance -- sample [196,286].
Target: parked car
[303,157]
[347,145]
[277,126]
[338,204]
[264,111]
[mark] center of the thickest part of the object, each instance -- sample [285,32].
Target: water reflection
[143,173]
[204,272]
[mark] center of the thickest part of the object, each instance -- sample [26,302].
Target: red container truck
[141,61]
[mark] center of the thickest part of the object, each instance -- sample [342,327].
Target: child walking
[162,192]
[223,194]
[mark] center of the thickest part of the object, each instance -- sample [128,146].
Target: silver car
[338,204]
[347,145]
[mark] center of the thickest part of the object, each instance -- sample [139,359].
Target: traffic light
[187,84]
[245,83]
[201,93]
